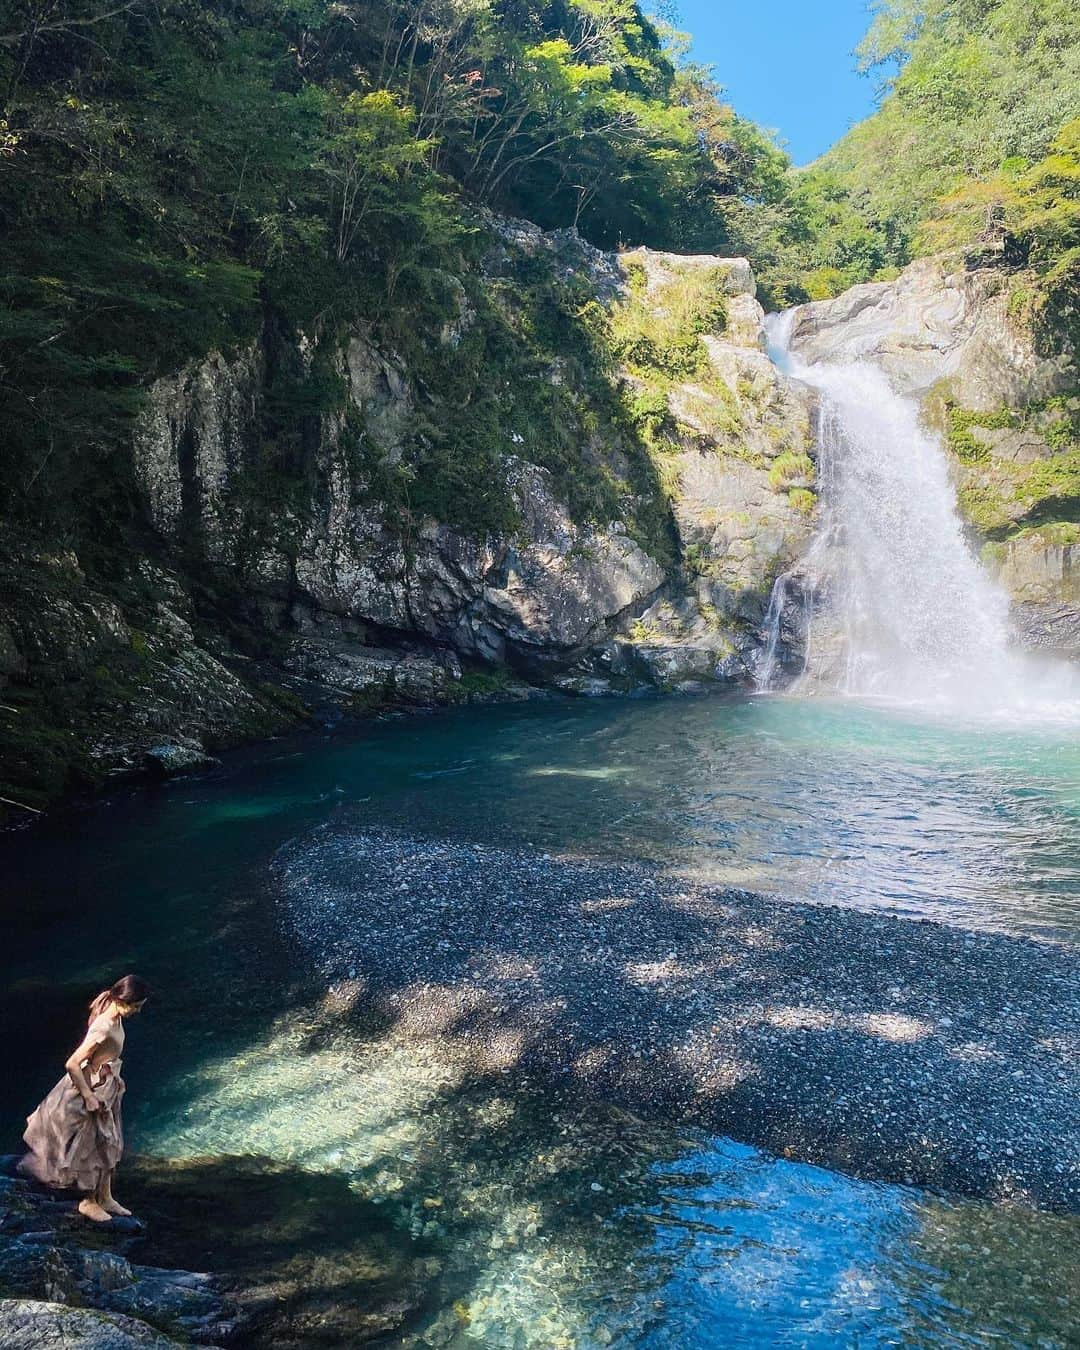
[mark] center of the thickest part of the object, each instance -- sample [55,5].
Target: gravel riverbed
[894,1049]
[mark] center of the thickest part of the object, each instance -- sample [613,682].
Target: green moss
[643,633]
[999,496]
[993,553]
[1020,304]
[478,686]
[715,412]
[1053,485]
[803,500]
[985,507]
[695,560]
[290,703]
[1059,533]
[637,278]
[962,441]
[372,698]
[790,467]
[648,411]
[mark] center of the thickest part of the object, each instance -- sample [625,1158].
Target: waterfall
[914,616]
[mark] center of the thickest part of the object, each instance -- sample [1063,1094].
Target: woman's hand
[92,1103]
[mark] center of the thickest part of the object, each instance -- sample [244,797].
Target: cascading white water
[918,619]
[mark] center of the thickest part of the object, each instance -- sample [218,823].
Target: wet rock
[374,675]
[49,1252]
[190,443]
[308,1263]
[173,758]
[1040,568]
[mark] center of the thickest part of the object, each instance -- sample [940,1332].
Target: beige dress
[71,1147]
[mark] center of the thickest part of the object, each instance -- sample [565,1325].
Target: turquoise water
[547,1221]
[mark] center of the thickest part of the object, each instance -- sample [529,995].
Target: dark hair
[127,989]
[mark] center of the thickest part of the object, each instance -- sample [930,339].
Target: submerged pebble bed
[894,1049]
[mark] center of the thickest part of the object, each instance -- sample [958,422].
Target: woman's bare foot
[115,1207]
[90,1209]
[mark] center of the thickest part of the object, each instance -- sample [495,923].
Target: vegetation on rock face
[1003,496]
[181,178]
[178,177]
[660,337]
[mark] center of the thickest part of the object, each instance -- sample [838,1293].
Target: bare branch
[65,25]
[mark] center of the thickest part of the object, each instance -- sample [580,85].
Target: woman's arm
[74,1067]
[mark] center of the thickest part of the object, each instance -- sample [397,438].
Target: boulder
[935,321]
[33,1324]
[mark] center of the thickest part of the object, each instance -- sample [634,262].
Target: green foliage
[968,119]
[664,335]
[791,470]
[803,500]
[168,179]
[1026,215]
[176,178]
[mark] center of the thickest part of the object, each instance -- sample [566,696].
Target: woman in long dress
[76,1136]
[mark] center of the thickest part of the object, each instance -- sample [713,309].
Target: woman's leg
[105,1198]
[92,1206]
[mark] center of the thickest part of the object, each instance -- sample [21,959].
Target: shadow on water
[542,1219]
[309,1261]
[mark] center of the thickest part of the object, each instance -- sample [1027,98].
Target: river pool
[510,1213]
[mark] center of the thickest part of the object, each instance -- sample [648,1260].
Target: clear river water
[511,1214]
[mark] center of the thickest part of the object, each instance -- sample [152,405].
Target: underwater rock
[677,999]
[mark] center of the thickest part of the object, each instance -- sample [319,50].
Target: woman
[75,1136]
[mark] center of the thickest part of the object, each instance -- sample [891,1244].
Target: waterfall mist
[901,607]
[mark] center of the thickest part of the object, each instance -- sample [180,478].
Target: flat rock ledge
[66,1282]
[893,1049]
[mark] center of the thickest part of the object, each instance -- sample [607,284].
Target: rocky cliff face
[258,596]
[1008,412]
[558,600]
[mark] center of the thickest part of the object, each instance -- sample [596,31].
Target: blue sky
[787,64]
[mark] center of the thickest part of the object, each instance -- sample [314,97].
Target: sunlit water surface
[547,1221]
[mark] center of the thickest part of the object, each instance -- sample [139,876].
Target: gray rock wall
[937,321]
